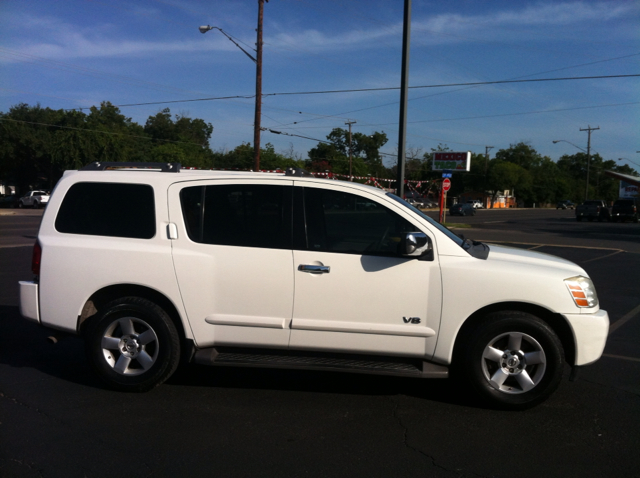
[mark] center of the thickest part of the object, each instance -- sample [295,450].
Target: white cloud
[59,40]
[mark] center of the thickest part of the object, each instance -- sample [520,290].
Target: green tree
[190,139]
[365,153]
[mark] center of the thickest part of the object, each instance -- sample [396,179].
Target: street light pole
[258,61]
[258,115]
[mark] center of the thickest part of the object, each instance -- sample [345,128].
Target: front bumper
[29,307]
[590,334]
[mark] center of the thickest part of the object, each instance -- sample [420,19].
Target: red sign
[446,184]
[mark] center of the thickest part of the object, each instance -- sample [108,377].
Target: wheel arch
[556,321]
[107,294]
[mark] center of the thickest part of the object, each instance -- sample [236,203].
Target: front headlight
[582,291]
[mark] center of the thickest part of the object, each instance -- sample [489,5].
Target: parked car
[34,199]
[462,209]
[156,265]
[565,205]
[416,202]
[626,209]
[10,200]
[475,203]
[593,209]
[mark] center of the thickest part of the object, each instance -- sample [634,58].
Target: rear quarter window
[108,209]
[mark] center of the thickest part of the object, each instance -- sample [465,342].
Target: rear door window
[246,215]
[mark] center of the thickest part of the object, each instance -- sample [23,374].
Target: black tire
[132,344]
[20,204]
[511,360]
[36,205]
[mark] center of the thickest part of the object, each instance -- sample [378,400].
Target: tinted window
[108,209]
[346,223]
[238,215]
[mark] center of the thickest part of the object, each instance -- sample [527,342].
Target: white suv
[152,266]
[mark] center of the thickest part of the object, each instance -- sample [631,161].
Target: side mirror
[414,244]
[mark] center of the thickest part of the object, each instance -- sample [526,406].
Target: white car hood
[524,256]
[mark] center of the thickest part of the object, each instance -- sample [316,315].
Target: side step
[287,359]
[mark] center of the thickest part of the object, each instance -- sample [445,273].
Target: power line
[478,83]
[391,88]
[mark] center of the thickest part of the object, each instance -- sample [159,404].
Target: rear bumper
[590,335]
[29,307]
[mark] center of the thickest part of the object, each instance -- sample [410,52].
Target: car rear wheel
[511,360]
[132,344]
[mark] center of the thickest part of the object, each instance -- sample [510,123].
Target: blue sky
[77,53]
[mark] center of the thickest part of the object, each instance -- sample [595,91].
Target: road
[56,419]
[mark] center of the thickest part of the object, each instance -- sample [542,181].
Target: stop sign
[446,184]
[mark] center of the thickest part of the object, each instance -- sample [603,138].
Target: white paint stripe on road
[16,245]
[603,257]
[623,320]
[622,357]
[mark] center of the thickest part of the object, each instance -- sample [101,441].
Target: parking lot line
[603,257]
[623,320]
[621,357]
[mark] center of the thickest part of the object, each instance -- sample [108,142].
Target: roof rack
[298,172]
[101,166]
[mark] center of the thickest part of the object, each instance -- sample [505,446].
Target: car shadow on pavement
[24,345]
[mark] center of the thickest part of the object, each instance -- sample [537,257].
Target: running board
[286,359]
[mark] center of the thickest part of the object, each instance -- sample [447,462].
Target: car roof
[155,176]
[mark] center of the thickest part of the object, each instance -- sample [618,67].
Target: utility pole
[486,159]
[258,116]
[404,93]
[350,123]
[486,166]
[588,129]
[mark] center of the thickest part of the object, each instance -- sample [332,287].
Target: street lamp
[258,61]
[627,159]
[565,141]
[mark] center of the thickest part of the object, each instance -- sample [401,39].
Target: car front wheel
[511,360]
[132,344]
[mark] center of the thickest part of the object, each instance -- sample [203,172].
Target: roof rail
[298,172]
[101,166]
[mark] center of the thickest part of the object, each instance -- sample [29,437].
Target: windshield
[454,237]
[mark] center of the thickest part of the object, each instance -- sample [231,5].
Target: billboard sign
[452,161]
[628,190]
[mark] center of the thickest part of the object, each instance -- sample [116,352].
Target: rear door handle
[314,269]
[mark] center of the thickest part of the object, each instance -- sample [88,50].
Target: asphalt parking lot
[56,419]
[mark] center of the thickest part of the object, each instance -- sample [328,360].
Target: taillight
[35,258]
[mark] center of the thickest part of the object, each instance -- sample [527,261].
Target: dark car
[626,209]
[462,210]
[10,200]
[565,205]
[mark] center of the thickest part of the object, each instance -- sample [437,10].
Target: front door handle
[314,269]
